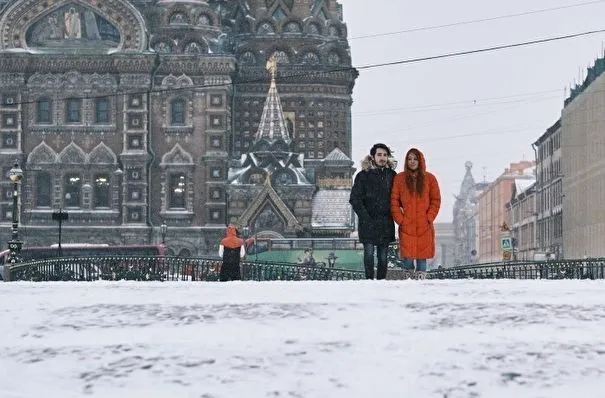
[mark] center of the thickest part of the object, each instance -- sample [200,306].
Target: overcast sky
[487,108]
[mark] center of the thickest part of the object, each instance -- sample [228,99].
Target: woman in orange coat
[415,203]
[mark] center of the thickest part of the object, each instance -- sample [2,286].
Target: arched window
[265,29]
[44,111]
[72,188]
[281,57]
[310,59]
[177,18]
[333,58]
[178,191]
[73,111]
[101,190]
[204,20]
[162,48]
[43,189]
[248,58]
[177,112]
[292,27]
[314,29]
[185,253]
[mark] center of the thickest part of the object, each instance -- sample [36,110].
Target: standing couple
[411,198]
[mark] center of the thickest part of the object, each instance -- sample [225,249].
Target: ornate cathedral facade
[132,114]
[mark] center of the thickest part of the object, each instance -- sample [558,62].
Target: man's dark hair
[380,146]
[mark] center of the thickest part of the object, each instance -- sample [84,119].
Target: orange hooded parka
[415,213]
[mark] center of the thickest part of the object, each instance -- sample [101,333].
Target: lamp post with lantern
[164,230]
[14,245]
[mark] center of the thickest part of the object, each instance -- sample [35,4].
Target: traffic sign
[506,243]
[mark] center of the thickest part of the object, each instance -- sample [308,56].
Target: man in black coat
[371,201]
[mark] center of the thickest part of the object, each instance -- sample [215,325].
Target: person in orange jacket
[231,250]
[415,203]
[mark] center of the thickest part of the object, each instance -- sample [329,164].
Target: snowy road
[444,339]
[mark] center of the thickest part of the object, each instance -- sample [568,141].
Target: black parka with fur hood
[370,199]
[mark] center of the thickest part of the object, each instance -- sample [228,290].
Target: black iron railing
[163,269]
[592,268]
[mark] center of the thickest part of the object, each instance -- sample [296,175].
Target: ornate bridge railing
[163,269]
[591,268]
[206,269]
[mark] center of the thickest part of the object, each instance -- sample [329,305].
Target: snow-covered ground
[444,339]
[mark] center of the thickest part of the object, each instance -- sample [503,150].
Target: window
[136,101]
[73,110]
[135,174]
[72,188]
[134,121]
[43,189]
[44,111]
[178,191]
[9,120]
[216,172]
[216,121]
[102,110]
[9,141]
[216,100]
[216,142]
[135,141]
[216,215]
[9,100]
[216,194]
[177,112]
[134,214]
[134,194]
[204,20]
[101,190]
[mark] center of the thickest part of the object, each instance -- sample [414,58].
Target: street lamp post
[14,245]
[60,216]
[163,230]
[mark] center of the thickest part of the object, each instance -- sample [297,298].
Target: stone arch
[247,56]
[43,80]
[198,17]
[162,44]
[102,81]
[102,154]
[173,81]
[336,29]
[72,80]
[72,154]
[309,55]
[284,55]
[255,175]
[265,27]
[268,235]
[42,154]
[19,17]
[313,26]
[201,46]
[172,10]
[292,26]
[185,252]
[343,57]
[177,156]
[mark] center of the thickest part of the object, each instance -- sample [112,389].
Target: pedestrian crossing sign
[506,243]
